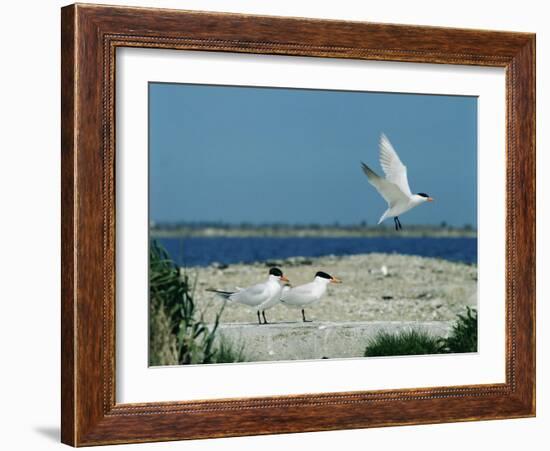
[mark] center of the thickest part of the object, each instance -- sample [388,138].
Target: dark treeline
[197,225]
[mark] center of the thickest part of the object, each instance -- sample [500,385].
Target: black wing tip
[366,169]
[213,290]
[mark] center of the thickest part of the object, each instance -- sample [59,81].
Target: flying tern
[303,296]
[261,296]
[394,187]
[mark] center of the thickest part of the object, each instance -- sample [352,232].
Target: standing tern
[309,293]
[394,188]
[261,296]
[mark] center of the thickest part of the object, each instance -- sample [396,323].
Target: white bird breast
[305,294]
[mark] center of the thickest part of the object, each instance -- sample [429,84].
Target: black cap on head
[275,272]
[423,194]
[323,275]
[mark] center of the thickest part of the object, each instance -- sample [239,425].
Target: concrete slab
[316,340]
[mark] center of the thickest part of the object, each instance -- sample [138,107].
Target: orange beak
[284,279]
[335,280]
[430,199]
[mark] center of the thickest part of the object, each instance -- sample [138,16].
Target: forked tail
[384,216]
[221,293]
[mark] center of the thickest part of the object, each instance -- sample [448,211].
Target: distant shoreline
[312,232]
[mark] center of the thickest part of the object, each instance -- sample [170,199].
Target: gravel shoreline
[413,289]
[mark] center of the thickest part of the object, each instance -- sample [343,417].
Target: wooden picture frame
[90,36]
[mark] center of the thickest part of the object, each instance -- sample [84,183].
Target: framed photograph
[278,225]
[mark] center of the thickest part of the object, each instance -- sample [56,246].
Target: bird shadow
[51,432]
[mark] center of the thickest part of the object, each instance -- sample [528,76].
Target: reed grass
[178,334]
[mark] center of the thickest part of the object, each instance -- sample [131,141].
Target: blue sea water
[202,251]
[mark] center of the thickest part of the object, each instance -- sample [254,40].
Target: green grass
[228,353]
[463,338]
[178,334]
[410,342]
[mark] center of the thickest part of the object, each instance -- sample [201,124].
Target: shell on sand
[414,289]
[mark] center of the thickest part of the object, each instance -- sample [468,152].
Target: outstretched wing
[395,170]
[388,190]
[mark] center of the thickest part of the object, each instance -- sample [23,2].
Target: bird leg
[304,317]
[263,314]
[259,320]
[397,223]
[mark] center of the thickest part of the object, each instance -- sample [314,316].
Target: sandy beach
[412,289]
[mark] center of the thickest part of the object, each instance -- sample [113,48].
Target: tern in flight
[261,296]
[394,187]
[303,296]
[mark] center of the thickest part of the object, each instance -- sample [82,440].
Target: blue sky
[262,155]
